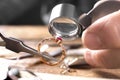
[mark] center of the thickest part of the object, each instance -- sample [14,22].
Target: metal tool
[18,46]
[65,24]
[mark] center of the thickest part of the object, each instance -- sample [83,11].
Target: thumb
[106,58]
[104,33]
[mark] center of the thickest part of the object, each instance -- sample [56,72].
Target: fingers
[104,33]
[103,37]
[109,58]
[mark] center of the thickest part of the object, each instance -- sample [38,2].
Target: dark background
[35,12]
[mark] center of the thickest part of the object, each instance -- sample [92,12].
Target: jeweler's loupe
[63,22]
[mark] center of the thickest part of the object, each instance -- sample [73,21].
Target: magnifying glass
[65,24]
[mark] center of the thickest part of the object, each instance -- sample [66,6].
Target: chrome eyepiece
[63,22]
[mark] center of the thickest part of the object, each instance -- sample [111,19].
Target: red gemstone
[59,38]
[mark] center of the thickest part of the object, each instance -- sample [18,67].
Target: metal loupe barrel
[63,22]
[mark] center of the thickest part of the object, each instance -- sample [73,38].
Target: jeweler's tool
[65,24]
[18,46]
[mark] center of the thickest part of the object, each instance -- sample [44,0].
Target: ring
[58,41]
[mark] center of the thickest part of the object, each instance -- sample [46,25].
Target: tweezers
[17,46]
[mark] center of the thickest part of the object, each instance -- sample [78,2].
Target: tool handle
[100,9]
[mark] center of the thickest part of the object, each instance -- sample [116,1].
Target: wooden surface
[31,35]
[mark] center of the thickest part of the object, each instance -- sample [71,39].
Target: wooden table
[31,35]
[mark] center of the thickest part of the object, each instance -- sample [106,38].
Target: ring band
[58,41]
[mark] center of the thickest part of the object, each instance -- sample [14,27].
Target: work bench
[31,35]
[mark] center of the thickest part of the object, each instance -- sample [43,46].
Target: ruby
[59,38]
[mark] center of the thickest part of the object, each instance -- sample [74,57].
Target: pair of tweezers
[17,46]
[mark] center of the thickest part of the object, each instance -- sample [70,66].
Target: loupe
[64,23]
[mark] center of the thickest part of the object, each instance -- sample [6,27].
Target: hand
[103,40]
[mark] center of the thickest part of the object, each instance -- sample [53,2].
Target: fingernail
[92,41]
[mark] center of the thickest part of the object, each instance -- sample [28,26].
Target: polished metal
[63,22]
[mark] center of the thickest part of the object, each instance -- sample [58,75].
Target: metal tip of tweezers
[18,46]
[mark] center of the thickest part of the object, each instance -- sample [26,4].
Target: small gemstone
[59,38]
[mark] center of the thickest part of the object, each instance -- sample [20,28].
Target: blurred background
[35,12]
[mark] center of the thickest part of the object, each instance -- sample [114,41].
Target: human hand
[102,39]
